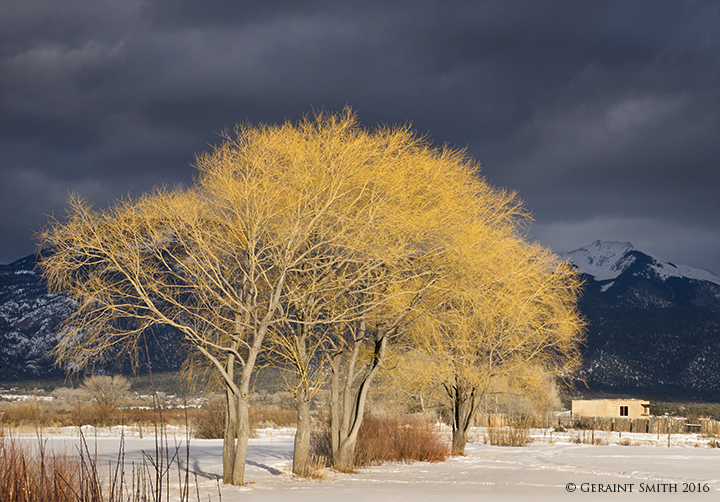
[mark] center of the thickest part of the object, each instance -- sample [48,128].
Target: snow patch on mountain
[603,260]
[607,286]
[666,270]
[606,260]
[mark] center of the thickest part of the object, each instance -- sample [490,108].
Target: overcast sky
[603,115]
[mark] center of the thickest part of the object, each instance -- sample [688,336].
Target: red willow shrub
[273,417]
[29,474]
[388,438]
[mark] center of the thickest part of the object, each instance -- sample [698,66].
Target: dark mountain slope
[654,327]
[29,319]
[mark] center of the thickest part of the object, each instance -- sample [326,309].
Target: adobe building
[626,408]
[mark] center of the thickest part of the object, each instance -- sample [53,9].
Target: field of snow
[554,467]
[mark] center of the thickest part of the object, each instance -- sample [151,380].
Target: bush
[34,414]
[27,413]
[70,396]
[272,417]
[97,415]
[507,436]
[105,390]
[388,438]
[209,421]
[31,473]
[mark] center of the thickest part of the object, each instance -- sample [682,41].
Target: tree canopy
[318,241]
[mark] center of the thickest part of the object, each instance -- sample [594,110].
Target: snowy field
[553,468]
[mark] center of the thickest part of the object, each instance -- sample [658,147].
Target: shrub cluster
[29,414]
[208,422]
[387,438]
[29,474]
[273,417]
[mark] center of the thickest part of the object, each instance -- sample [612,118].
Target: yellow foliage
[509,327]
[311,236]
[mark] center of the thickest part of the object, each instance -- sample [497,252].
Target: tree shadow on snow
[271,470]
[214,476]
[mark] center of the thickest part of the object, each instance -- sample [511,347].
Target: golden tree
[321,241]
[513,323]
[214,261]
[417,204]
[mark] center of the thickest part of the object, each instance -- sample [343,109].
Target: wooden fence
[649,425]
[709,427]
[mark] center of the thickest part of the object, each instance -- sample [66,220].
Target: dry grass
[507,436]
[272,417]
[318,469]
[208,422]
[31,416]
[589,437]
[388,438]
[30,473]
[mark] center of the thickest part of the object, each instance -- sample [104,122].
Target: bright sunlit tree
[320,246]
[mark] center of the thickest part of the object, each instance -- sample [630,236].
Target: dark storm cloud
[602,115]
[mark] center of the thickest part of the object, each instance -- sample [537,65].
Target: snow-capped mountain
[653,326]
[606,260]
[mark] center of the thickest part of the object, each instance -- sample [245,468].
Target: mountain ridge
[653,326]
[30,317]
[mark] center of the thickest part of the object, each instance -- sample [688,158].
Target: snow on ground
[646,469]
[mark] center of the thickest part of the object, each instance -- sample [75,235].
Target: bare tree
[434,199]
[377,254]
[145,262]
[107,390]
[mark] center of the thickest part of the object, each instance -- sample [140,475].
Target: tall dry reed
[507,436]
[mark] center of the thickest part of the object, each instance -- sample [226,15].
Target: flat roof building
[626,408]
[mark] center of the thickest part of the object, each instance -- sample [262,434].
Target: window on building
[623,411]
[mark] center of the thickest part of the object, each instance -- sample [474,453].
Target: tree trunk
[335,404]
[237,433]
[463,403]
[345,458]
[230,435]
[354,403]
[302,391]
[459,440]
[301,452]
[243,435]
